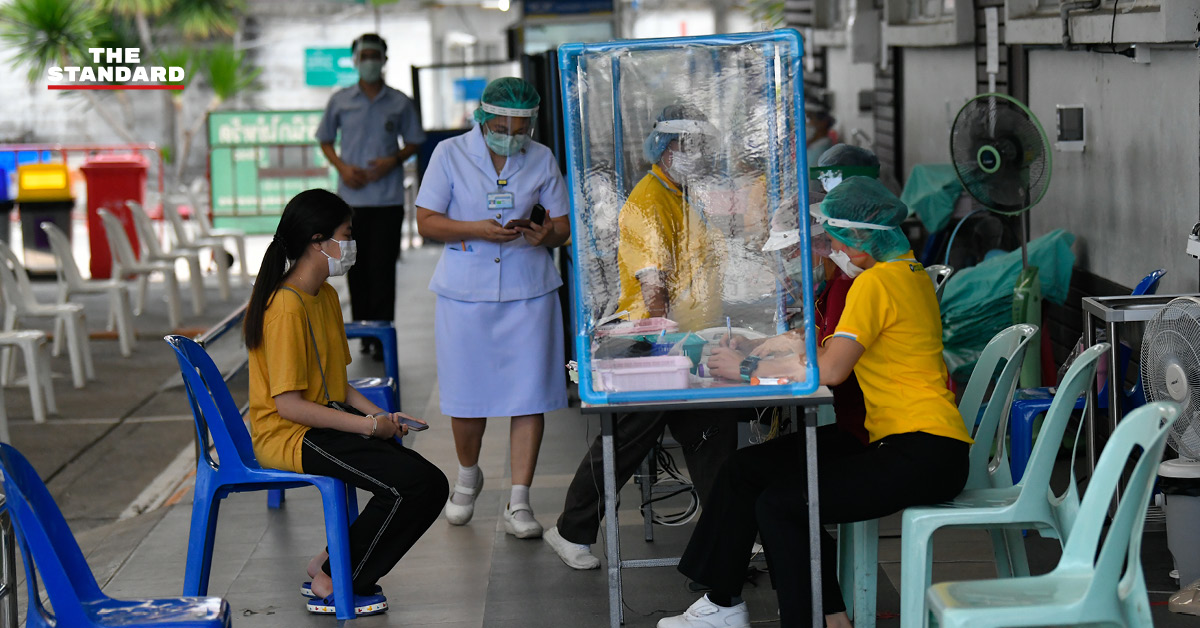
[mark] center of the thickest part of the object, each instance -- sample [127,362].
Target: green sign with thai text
[260,159]
[329,67]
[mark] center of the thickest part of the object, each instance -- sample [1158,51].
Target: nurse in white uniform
[498,324]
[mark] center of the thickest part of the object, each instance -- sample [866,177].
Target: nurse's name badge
[501,200]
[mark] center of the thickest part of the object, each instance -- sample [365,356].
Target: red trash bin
[112,179]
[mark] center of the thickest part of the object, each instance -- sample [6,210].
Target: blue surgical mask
[505,145]
[339,265]
[370,70]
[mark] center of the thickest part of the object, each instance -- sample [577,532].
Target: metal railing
[91,149]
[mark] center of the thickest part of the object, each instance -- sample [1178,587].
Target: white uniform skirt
[500,358]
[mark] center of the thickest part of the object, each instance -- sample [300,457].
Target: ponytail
[308,214]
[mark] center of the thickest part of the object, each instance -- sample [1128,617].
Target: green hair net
[866,201]
[508,92]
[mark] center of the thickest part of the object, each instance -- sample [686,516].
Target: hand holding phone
[413,424]
[537,215]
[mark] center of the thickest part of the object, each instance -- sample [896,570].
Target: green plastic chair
[1003,510]
[1093,583]
[858,542]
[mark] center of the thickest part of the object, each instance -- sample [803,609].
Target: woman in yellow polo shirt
[889,336]
[298,358]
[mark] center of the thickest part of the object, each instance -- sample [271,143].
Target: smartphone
[537,214]
[414,426]
[517,222]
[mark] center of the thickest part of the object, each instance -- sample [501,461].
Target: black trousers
[372,279]
[407,494]
[761,491]
[706,437]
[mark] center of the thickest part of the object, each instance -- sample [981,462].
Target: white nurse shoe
[460,514]
[521,529]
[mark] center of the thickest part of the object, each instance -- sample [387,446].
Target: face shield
[693,150]
[508,131]
[831,176]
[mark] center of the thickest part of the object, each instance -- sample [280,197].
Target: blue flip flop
[306,589]
[363,605]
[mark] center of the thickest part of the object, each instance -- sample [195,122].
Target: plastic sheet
[931,192]
[977,301]
[723,115]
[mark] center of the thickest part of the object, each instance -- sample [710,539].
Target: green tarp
[931,192]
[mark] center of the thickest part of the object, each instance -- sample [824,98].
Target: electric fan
[1170,364]
[1002,157]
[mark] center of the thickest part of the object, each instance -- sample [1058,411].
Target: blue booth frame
[572,64]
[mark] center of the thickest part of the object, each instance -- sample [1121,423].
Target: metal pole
[814,512]
[1089,339]
[612,539]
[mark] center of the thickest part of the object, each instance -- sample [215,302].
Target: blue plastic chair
[858,542]
[1028,504]
[1093,583]
[1030,403]
[51,553]
[238,471]
[385,333]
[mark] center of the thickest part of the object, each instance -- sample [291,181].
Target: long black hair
[312,216]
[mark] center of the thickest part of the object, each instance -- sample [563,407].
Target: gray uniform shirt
[371,129]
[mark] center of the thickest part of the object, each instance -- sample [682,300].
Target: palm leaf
[228,72]
[183,57]
[204,19]
[130,8]
[48,33]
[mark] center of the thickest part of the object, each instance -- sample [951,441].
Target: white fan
[1171,372]
[1171,369]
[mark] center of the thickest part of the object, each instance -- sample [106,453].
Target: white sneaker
[576,556]
[705,614]
[518,528]
[460,514]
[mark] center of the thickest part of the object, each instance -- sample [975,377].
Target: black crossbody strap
[313,336]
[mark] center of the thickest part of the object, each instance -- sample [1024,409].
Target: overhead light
[504,5]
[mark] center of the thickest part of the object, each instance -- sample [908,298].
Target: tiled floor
[475,575]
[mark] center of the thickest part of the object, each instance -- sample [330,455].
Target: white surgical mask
[339,265]
[843,262]
[370,70]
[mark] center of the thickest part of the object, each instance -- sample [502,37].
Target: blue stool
[385,333]
[382,391]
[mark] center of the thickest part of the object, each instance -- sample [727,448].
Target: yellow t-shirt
[285,362]
[659,231]
[891,310]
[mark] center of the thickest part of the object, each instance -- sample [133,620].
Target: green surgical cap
[866,200]
[508,92]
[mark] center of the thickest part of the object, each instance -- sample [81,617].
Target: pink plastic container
[663,372]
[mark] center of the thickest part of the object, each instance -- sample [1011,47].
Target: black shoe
[368,346]
[377,351]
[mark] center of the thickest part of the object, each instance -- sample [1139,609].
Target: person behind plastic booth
[668,267]
[303,410]
[498,323]
[890,337]
[667,256]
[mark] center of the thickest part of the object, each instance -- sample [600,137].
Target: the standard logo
[115,68]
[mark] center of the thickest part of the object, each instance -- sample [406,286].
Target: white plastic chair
[32,343]
[207,232]
[125,263]
[939,274]
[20,303]
[71,282]
[152,252]
[184,240]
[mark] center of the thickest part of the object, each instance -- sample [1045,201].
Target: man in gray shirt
[372,118]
